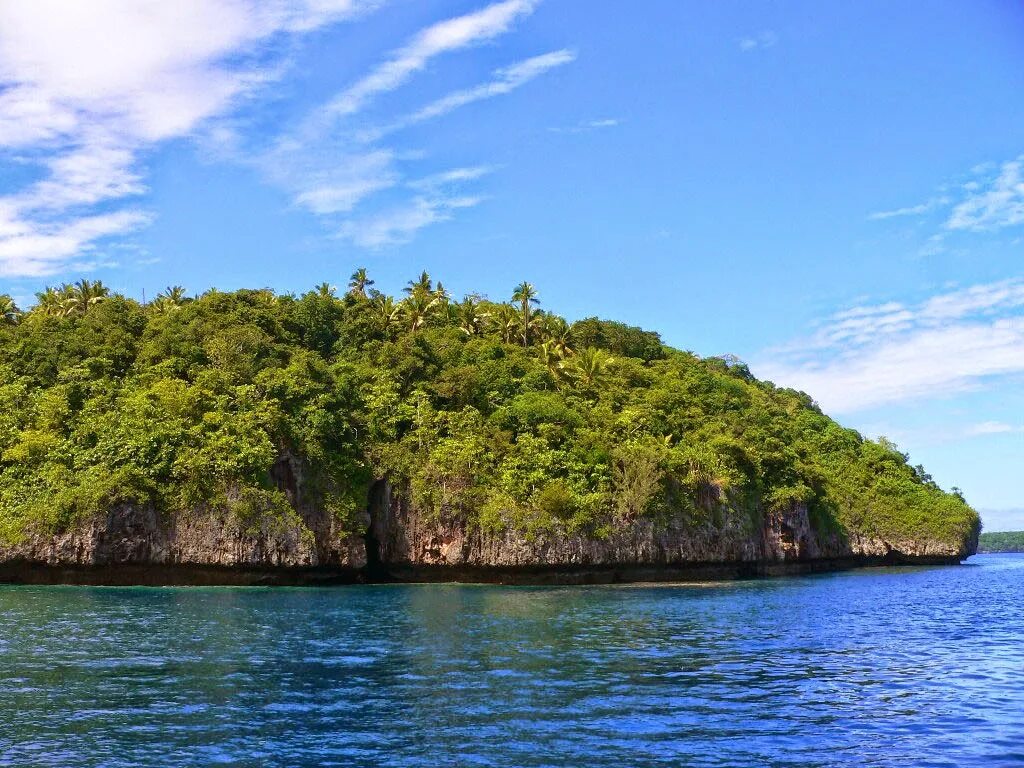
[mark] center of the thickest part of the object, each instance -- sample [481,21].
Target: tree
[327,291]
[526,295]
[589,365]
[50,302]
[555,332]
[172,298]
[9,311]
[441,294]
[388,312]
[505,321]
[418,308]
[469,316]
[359,282]
[423,285]
[83,296]
[553,359]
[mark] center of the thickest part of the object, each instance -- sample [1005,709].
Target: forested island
[1001,541]
[350,435]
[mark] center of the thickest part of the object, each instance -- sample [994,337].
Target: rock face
[135,544]
[137,537]
[407,542]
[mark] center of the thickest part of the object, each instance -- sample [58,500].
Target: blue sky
[832,191]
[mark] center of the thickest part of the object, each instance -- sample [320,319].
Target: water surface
[880,667]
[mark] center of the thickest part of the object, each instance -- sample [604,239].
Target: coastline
[157,575]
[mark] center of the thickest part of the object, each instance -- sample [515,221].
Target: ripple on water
[877,667]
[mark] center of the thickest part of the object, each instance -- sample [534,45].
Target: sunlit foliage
[500,412]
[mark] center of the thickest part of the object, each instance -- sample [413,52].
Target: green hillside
[501,411]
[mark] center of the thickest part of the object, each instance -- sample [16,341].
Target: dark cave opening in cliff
[376,504]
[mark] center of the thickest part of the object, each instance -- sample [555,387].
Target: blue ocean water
[876,667]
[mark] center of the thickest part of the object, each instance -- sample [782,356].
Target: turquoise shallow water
[873,667]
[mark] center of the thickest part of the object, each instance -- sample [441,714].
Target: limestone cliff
[136,544]
[407,542]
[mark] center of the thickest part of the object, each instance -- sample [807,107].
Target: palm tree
[590,365]
[505,321]
[91,293]
[422,285]
[441,293]
[50,302]
[418,307]
[469,316]
[359,282]
[9,311]
[77,299]
[326,290]
[526,295]
[172,298]
[388,312]
[553,359]
[175,295]
[555,331]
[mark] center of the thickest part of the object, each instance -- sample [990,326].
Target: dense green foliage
[499,411]
[1002,541]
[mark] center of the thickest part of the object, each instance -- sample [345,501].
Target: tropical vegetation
[1001,541]
[499,411]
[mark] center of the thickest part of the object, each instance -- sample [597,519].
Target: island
[252,437]
[1001,541]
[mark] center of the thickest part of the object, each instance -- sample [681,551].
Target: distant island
[250,436]
[1003,541]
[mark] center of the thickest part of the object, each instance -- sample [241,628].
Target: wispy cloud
[328,180]
[41,248]
[397,225]
[992,428]
[448,178]
[446,36]
[340,157]
[87,91]
[589,125]
[911,210]
[505,81]
[993,203]
[990,200]
[437,197]
[88,88]
[888,353]
[764,39]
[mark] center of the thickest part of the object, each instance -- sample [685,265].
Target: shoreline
[157,575]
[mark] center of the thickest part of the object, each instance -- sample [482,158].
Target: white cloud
[763,39]
[443,37]
[88,87]
[87,90]
[338,185]
[335,162]
[993,204]
[589,125]
[911,210]
[454,176]
[991,428]
[991,200]
[876,355]
[37,250]
[398,225]
[978,299]
[505,80]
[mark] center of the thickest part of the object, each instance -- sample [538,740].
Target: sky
[832,191]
